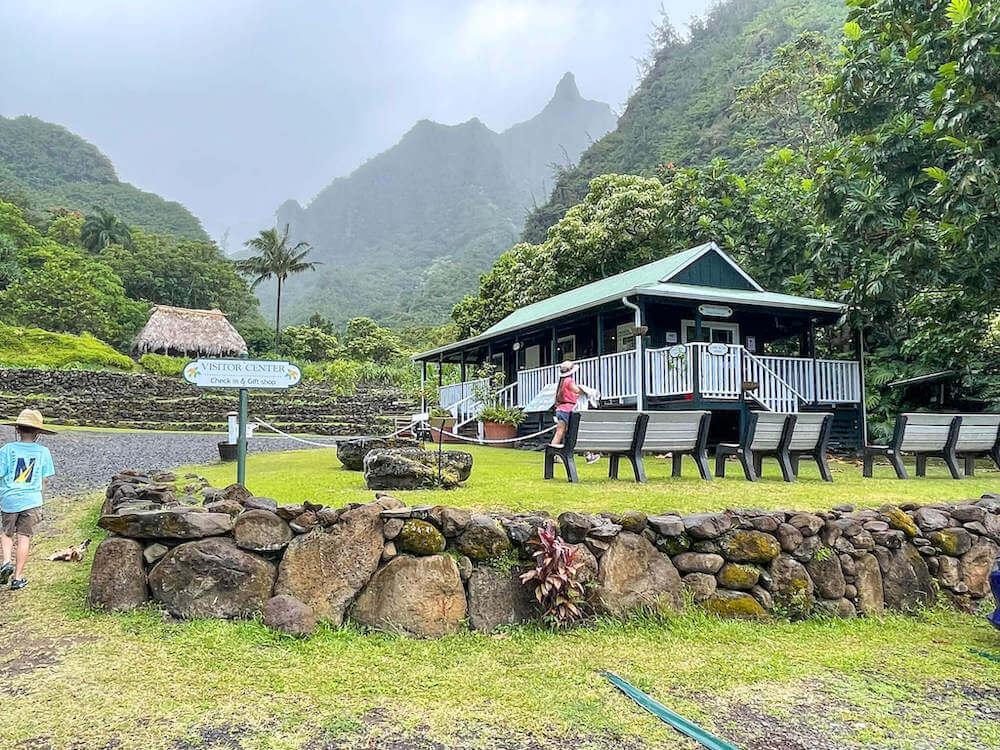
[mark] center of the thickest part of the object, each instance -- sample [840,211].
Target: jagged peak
[566,89]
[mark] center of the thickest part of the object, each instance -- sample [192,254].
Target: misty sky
[232,106]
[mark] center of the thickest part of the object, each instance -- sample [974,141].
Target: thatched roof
[178,330]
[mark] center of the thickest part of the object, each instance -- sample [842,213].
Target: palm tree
[275,259]
[102,229]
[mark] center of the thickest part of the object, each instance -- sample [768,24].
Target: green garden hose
[663,713]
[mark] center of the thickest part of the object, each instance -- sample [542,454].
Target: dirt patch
[24,655]
[227,738]
[977,702]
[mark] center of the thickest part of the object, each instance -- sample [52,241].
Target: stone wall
[107,399]
[200,551]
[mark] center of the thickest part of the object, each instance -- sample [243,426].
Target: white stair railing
[773,392]
[467,410]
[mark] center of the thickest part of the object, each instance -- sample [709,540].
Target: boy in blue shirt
[24,467]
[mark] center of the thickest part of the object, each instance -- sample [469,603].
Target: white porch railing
[467,408]
[782,383]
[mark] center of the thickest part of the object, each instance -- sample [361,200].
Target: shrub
[502,415]
[557,564]
[33,347]
[160,364]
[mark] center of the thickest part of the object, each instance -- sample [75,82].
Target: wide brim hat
[569,367]
[32,419]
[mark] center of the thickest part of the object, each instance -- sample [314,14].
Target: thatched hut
[183,332]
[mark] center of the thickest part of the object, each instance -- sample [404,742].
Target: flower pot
[441,425]
[497,431]
[228,451]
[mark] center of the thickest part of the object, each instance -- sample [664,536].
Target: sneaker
[593,458]
[6,572]
[18,583]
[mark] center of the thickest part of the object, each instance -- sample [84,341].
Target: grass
[71,677]
[512,480]
[35,348]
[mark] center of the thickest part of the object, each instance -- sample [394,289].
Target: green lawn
[73,678]
[512,480]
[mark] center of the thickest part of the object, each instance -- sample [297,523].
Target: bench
[924,435]
[809,437]
[679,433]
[617,433]
[767,434]
[978,437]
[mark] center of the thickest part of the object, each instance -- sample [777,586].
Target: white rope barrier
[483,441]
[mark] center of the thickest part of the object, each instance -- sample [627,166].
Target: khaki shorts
[22,523]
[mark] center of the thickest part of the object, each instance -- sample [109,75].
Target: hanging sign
[677,351]
[716,311]
[255,374]
[718,349]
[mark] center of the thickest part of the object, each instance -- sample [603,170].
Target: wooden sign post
[243,375]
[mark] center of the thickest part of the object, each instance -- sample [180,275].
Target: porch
[698,372]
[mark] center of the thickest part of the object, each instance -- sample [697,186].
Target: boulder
[414,468]
[827,575]
[666,525]
[416,596]
[391,527]
[327,567]
[228,507]
[954,541]
[633,520]
[749,547]
[906,582]
[931,519]
[451,521]
[212,578]
[632,574]
[290,512]
[261,503]
[154,552]
[841,608]
[949,572]
[738,577]
[573,526]
[497,598]
[807,523]
[734,605]
[483,538]
[117,578]
[587,572]
[303,522]
[236,492]
[976,566]
[261,531]
[698,562]
[352,451]
[789,537]
[868,582]
[701,585]
[175,523]
[289,615]
[899,520]
[791,586]
[420,538]
[707,525]
[968,513]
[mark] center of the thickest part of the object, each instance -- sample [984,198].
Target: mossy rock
[747,546]
[738,577]
[733,605]
[955,542]
[673,545]
[899,520]
[420,538]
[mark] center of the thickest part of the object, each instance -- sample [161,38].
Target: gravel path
[86,460]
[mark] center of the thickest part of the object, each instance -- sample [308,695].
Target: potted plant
[441,421]
[500,422]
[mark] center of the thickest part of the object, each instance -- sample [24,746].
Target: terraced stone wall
[106,399]
[426,571]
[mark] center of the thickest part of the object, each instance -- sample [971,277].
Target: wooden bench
[617,433]
[767,434]
[978,437]
[809,437]
[679,433]
[924,435]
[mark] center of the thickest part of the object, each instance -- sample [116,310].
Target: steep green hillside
[682,110]
[407,234]
[47,166]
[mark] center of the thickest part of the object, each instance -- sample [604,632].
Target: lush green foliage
[305,343]
[32,347]
[103,228]
[508,415]
[683,110]
[161,364]
[44,166]
[895,216]
[367,340]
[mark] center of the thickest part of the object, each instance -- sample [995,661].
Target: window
[532,357]
[497,361]
[625,337]
[714,332]
[566,347]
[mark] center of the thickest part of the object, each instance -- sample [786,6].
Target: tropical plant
[506,415]
[556,573]
[103,228]
[367,340]
[277,259]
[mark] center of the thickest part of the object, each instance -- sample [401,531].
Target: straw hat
[568,367]
[31,418]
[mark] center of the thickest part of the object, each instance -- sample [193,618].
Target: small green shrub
[33,347]
[502,415]
[160,364]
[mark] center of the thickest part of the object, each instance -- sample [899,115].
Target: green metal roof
[651,279]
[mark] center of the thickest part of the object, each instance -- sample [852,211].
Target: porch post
[440,370]
[860,338]
[812,353]
[423,385]
[640,346]
[555,348]
[600,335]
[462,366]
[696,364]
[697,325]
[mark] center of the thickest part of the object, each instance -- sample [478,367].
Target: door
[716,333]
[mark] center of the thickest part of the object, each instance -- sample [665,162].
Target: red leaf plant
[557,564]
